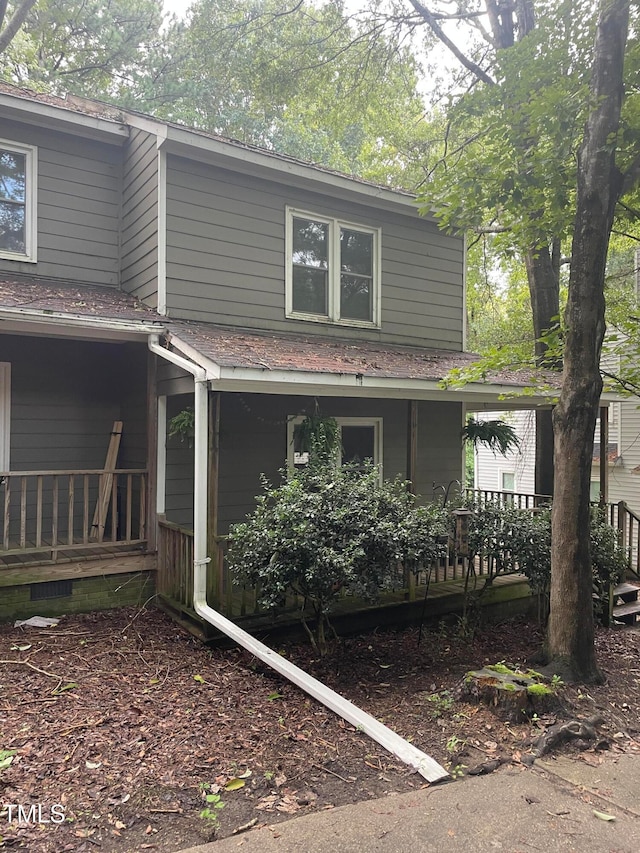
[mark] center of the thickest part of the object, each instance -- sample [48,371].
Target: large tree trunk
[571,632]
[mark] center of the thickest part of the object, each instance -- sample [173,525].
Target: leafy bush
[520,540]
[326,531]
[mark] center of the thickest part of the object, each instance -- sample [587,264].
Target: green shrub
[520,540]
[326,531]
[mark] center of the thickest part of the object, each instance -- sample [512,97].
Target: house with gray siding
[147,269]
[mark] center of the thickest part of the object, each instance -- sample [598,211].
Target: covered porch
[388,402]
[75,477]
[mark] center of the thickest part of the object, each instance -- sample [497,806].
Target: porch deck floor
[47,553]
[351,615]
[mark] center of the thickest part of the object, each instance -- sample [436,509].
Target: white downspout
[406,752]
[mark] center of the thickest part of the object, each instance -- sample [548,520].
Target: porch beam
[604,460]
[152,452]
[412,445]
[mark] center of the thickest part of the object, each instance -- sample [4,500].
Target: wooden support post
[213,551]
[412,445]
[152,454]
[604,455]
[412,464]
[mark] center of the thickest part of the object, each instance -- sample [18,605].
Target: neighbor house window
[333,270]
[17,201]
[5,402]
[360,439]
[508,481]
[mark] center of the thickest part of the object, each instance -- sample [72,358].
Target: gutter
[398,746]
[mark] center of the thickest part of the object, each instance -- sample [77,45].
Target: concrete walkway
[549,807]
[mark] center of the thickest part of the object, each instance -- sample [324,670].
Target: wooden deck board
[84,566]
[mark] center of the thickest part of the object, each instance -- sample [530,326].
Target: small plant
[454,744]
[556,681]
[183,425]
[211,811]
[440,703]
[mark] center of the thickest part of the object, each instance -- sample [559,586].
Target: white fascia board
[71,325]
[349,385]
[61,118]
[191,144]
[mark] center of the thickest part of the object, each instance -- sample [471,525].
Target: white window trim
[333,278]
[30,255]
[5,414]
[376,423]
[501,473]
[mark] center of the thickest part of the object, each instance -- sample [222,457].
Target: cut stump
[511,695]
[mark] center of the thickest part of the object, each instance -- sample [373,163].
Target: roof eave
[56,117]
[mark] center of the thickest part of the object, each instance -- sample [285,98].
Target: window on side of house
[333,270]
[5,403]
[360,439]
[508,481]
[18,201]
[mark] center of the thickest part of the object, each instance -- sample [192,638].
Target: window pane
[12,230]
[355,298]
[594,491]
[310,243]
[12,176]
[358,443]
[310,291]
[508,481]
[356,252]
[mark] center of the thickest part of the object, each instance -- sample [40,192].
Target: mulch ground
[122,725]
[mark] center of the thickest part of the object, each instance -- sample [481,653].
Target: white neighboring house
[514,472]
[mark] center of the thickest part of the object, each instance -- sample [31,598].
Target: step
[626,589]
[626,609]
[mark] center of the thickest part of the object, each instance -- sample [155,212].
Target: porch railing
[57,511]
[175,575]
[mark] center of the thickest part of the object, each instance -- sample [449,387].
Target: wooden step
[626,609]
[626,589]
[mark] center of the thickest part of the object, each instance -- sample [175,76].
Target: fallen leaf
[199,679]
[234,784]
[92,765]
[603,816]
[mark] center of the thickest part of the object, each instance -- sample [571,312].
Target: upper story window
[333,270]
[17,201]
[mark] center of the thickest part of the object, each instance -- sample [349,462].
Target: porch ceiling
[240,360]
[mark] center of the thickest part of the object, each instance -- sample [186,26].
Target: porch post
[412,444]
[152,453]
[214,548]
[604,462]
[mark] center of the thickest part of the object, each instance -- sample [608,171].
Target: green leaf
[199,679]
[273,696]
[70,686]
[6,757]
[603,816]
[234,784]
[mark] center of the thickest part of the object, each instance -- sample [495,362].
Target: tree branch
[16,21]
[437,30]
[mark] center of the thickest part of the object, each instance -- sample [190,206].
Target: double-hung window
[17,201]
[333,270]
[360,440]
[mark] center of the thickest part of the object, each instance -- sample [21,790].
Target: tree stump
[511,695]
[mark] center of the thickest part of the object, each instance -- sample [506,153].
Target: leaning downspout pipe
[398,746]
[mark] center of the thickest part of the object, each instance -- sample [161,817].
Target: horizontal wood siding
[79,188]
[253,440]
[65,396]
[140,217]
[179,469]
[439,448]
[226,259]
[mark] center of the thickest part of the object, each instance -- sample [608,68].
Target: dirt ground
[116,727]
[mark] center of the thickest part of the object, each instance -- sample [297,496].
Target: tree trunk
[571,631]
[544,291]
